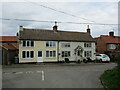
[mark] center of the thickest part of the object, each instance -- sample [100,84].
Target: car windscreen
[105,56]
[98,55]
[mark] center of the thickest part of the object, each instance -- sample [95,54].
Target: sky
[77,12]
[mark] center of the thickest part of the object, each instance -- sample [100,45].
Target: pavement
[54,75]
[47,64]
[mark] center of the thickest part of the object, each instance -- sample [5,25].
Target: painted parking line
[28,72]
[6,73]
[19,73]
[43,76]
[38,71]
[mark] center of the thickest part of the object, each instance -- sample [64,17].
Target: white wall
[73,45]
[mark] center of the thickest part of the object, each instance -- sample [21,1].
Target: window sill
[29,46]
[27,58]
[50,57]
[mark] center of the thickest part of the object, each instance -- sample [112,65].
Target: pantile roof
[8,38]
[9,42]
[111,39]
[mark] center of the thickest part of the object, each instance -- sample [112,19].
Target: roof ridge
[52,30]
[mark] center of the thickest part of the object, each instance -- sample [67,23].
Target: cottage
[41,45]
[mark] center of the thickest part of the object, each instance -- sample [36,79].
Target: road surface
[55,76]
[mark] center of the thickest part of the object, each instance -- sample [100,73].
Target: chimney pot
[111,33]
[88,29]
[21,28]
[55,27]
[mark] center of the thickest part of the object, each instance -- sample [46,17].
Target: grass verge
[111,78]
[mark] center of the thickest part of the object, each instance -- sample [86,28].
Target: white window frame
[65,45]
[88,53]
[51,43]
[66,53]
[112,46]
[29,43]
[87,44]
[52,54]
[26,54]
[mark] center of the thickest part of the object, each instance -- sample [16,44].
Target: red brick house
[108,43]
[8,49]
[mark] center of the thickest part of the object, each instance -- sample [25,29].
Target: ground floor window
[27,54]
[65,53]
[88,53]
[50,53]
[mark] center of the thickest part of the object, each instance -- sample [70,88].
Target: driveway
[55,76]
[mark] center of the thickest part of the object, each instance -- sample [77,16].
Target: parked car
[88,59]
[102,58]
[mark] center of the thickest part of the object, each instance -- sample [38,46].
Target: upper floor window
[87,44]
[88,53]
[112,46]
[50,43]
[65,44]
[28,43]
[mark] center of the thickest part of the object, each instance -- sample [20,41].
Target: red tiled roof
[96,38]
[10,46]
[111,39]
[8,42]
[8,38]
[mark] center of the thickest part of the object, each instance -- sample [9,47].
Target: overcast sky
[99,12]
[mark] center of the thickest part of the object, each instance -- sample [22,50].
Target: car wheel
[100,60]
[84,60]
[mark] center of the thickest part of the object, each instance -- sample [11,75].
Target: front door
[78,53]
[40,59]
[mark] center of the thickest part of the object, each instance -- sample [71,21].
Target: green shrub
[111,78]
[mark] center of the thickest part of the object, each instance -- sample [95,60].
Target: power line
[59,11]
[26,20]
[93,22]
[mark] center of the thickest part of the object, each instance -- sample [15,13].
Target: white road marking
[38,71]
[18,72]
[43,78]
[6,73]
[42,73]
[29,72]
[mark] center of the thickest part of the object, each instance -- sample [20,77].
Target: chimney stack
[88,29]
[111,33]
[21,28]
[55,27]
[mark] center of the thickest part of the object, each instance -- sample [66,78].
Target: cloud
[105,12]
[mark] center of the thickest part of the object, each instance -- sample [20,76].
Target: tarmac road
[55,76]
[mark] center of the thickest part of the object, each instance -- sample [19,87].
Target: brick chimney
[111,33]
[88,29]
[55,27]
